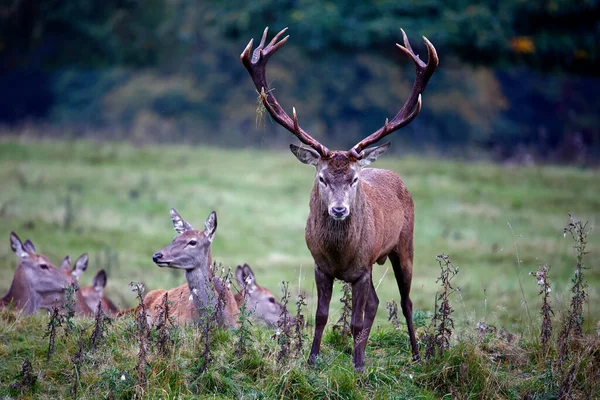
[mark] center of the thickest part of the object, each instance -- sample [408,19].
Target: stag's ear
[17,246]
[305,155]
[99,280]
[80,266]
[371,154]
[180,224]
[65,264]
[29,247]
[210,226]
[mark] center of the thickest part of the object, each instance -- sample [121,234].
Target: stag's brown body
[358,216]
[380,225]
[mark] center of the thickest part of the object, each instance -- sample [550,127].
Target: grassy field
[112,200]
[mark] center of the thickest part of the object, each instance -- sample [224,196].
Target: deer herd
[357,217]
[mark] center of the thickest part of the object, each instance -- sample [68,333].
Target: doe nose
[156,257]
[339,211]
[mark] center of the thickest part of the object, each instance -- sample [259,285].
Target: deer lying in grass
[357,216]
[193,247]
[191,252]
[37,283]
[92,294]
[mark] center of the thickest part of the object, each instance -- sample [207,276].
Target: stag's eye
[44,266]
[355,180]
[322,180]
[192,242]
[272,299]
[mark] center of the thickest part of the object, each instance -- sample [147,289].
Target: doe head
[190,249]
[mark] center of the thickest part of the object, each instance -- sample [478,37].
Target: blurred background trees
[518,80]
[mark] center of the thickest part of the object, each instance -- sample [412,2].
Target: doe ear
[211,226]
[80,266]
[370,154]
[180,224]
[305,155]
[99,280]
[245,277]
[29,247]
[65,264]
[17,246]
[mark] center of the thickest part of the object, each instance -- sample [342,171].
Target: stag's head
[338,172]
[338,176]
[37,275]
[191,248]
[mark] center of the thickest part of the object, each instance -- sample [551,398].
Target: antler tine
[412,106]
[256,66]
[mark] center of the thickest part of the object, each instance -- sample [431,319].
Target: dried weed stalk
[298,339]
[143,335]
[392,309]
[99,334]
[343,323]
[284,328]
[56,320]
[541,275]
[26,379]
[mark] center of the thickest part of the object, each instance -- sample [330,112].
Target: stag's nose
[339,212]
[156,257]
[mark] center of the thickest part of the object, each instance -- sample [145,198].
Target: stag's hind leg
[402,263]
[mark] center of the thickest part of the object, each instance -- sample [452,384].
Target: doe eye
[321,179]
[192,242]
[355,180]
[271,299]
[44,266]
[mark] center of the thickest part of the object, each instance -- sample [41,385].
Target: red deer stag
[191,252]
[36,283]
[357,216]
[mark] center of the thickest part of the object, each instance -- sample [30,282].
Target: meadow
[112,200]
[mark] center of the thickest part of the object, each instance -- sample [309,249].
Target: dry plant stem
[143,335]
[299,341]
[163,339]
[283,326]
[519,262]
[56,320]
[343,322]
[546,310]
[98,335]
[392,308]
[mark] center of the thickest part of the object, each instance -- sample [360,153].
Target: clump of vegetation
[541,276]
[70,301]
[163,336]
[284,329]
[392,309]
[442,322]
[143,335]
[299,326]
[26,379]
[56,320]
[343,323]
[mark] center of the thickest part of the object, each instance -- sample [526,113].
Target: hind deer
[358,216]
[191,251]
[90,295]
[37,283]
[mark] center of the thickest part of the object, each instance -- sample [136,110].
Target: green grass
[121,197]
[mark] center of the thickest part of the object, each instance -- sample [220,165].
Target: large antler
[256,66]
[412,106]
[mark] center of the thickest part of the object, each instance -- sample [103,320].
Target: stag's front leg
[361,291]
[324,289]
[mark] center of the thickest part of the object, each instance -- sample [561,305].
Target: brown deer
[37,283]
[262,306]
[90,295]
[357,216]
[191,252]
